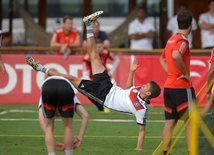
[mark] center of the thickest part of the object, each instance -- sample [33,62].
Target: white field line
[78,120]
[34,111]
[17,111]
[86,136]
[91,120]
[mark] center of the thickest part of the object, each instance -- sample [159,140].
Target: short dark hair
[184,19]
[154,89]
[67,17]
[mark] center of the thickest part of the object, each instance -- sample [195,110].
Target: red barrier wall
[21,84]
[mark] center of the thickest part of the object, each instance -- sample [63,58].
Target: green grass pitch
[20,133]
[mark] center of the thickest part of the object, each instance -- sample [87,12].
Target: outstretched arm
[130,79]
[141,137]
[80,110]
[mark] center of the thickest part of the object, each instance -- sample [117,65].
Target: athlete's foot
[92,18]
[36,65]
[33,63]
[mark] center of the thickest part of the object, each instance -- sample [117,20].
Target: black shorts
[177,103]
[57,94]
[97,89]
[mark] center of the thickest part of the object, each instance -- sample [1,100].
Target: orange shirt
[212,56]
[60,37]
[177,42]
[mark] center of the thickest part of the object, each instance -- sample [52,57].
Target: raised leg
[96,63]
[38,67]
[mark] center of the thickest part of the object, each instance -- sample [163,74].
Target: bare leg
[49,135]
[68,133]
[38,67]
[167,133]
[187,135]
[74,80]
[42,120]
[96,63]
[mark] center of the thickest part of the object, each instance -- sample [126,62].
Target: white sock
[68,152]
[42,69]
[89,28]
[51,153]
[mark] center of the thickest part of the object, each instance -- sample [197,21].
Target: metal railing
[80,50]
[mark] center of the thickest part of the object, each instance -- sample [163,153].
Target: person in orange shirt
[179,94]
[208,114]
[66,37]
[210,80]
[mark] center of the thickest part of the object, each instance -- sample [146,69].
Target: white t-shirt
[76,100]
[207,37]
[127,101]
[136,27]
[172,25]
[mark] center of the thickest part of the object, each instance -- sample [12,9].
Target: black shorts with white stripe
[97,89]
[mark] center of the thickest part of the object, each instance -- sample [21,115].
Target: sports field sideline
[107,133]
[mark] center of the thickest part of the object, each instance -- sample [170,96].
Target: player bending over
[61,99]
[133,100]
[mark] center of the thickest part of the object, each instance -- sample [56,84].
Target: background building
[48,14]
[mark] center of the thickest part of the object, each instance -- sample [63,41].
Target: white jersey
[136,27]
[172,25]
[127,101]
[76,100]
[207,37]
